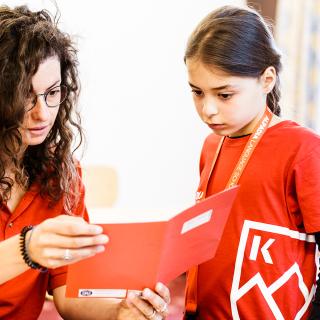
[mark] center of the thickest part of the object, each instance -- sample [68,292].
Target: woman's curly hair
[26,39]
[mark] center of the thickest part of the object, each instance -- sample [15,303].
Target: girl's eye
[225,96]
[197,93]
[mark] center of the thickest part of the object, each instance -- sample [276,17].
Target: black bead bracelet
[24,250]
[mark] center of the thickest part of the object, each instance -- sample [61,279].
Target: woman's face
[39,120]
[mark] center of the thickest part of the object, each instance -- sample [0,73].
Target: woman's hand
[149,305]
[63,240]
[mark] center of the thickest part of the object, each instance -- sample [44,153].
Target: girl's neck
[275,120]
[237,137]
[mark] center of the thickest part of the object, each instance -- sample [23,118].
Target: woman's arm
[11,262]
[47,245]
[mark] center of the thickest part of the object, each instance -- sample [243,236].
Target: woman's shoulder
[77,166]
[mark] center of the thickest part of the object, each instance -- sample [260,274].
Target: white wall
[137,108]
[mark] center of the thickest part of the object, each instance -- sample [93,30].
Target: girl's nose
[209,108]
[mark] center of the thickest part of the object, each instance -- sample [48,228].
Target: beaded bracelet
[24,250]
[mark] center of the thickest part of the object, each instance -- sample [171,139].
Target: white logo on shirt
[264,249]
[238,291]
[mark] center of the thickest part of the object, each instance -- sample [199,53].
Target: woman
[43,216]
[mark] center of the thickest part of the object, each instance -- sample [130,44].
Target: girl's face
[229,105]
[39,120]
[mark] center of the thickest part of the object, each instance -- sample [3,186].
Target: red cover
[139,255]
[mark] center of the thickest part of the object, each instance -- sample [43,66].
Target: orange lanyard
[258,132]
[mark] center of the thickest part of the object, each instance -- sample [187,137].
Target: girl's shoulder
[211,141]
[292,133]
[293,141]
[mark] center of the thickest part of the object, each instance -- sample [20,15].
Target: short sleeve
[307,180]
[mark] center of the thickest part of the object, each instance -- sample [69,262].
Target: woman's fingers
[70,226]
[63,240]
[54,258]
[71,254]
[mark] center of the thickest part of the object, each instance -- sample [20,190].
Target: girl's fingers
[152,305]
[158,302]
[163,291]
[129,311]
[144,307]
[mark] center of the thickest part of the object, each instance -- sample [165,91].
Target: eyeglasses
[53,97]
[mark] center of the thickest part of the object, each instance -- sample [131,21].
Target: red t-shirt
[264,267]
[23,296]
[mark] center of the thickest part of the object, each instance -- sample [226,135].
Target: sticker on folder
[138,255]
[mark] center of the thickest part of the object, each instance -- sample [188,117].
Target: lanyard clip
[199,195]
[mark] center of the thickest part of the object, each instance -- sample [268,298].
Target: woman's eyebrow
[50,87]
[54,84]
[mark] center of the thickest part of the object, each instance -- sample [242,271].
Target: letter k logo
[264,249]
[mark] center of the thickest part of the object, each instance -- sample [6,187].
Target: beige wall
[137,108]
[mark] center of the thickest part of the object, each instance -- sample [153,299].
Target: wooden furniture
[101,185]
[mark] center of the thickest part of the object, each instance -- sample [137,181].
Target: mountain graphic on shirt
[266,279]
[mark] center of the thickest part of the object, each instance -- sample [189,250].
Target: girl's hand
[149,305]
[63,240]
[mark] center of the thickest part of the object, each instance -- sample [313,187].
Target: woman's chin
[33,141]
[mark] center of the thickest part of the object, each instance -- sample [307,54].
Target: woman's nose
[40,110]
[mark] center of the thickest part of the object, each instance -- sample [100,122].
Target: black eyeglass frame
[34,99]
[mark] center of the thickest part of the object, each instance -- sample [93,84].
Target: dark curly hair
[26,39]
[240,42]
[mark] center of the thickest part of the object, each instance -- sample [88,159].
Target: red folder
[139,255]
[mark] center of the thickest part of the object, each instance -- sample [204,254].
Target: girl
[264,267]
[43,218]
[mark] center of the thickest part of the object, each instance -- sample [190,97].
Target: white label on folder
[196,221]
[102,293]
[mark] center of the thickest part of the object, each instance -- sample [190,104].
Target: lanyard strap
[258,132]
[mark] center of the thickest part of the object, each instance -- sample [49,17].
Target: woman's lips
[38,130]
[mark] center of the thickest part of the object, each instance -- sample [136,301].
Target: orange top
[23,296]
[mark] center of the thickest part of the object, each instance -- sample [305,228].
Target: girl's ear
[268,79]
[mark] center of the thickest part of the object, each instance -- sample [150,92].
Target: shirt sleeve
[57,278]
[307,181]
[315,307]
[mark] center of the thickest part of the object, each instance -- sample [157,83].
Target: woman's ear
[268,79]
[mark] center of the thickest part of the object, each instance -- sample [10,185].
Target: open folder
[139,255]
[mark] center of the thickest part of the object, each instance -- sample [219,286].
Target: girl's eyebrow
[227,86]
